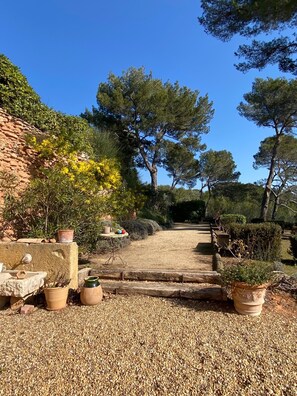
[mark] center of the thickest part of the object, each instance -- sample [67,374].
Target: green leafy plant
[229,218]
[250,272]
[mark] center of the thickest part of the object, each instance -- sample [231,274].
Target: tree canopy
[226,18]
[216,167]
[285,174]
[181,165]
[145,113]
[272,103]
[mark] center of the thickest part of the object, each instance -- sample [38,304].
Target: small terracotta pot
[56,298]
[248,300]
[91,295]
[106,230]
[65,236]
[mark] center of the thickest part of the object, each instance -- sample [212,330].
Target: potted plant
[248,281]
[65,235]
[56,292]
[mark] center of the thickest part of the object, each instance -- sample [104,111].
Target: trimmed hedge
[229,218]
[151,225]
[188,211]
[263,240]
[136,229]
[293,240]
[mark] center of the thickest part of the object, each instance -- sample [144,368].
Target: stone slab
[11,286]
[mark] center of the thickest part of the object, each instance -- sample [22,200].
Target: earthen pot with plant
[248,281]
[56,293]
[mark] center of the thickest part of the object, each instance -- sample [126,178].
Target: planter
[65,236]
[56,298]
[106,230]
[248,300]
[91,295]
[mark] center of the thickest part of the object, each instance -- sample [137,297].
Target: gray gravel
[148,346]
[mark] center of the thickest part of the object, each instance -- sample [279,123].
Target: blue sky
[65,48]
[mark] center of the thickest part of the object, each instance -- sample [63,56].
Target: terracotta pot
[65,236]
[248,300]
[56,298]
[91,295]
[106,230]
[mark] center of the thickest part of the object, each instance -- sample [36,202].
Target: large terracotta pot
[56,298]
[91,295]
[248,300]
[65,236]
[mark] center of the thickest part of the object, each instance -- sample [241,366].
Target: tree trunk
[154,179]
[275,207]
[267,191]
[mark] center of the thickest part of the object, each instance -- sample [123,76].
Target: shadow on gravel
[204,248]
[225,307]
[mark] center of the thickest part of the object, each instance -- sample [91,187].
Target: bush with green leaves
[136,229]
[263,240]
[55,202]
[151,225]
[227,219]
[252,273]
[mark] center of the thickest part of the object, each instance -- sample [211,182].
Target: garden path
[184,247]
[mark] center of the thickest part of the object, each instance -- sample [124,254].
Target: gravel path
[148,346]
[185,246]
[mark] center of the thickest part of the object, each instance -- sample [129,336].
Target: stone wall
[16,157]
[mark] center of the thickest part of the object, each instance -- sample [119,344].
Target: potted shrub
[248,281]
[56,292]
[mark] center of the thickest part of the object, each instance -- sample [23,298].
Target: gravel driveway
[184,247]
[148,346]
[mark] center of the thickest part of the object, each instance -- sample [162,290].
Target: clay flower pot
[248,300]
[106,229]
[65,236]
[56,298]
[91,293]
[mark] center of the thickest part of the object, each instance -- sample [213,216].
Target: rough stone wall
[16,157]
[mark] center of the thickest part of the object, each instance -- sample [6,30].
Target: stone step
[170,290]
[158,275]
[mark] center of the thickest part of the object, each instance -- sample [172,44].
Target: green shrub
[163,220]
[187,210]
[263,240]
[136,229]
[229,218]
[251,273]
[151,225]
[293,241]
[55,202]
